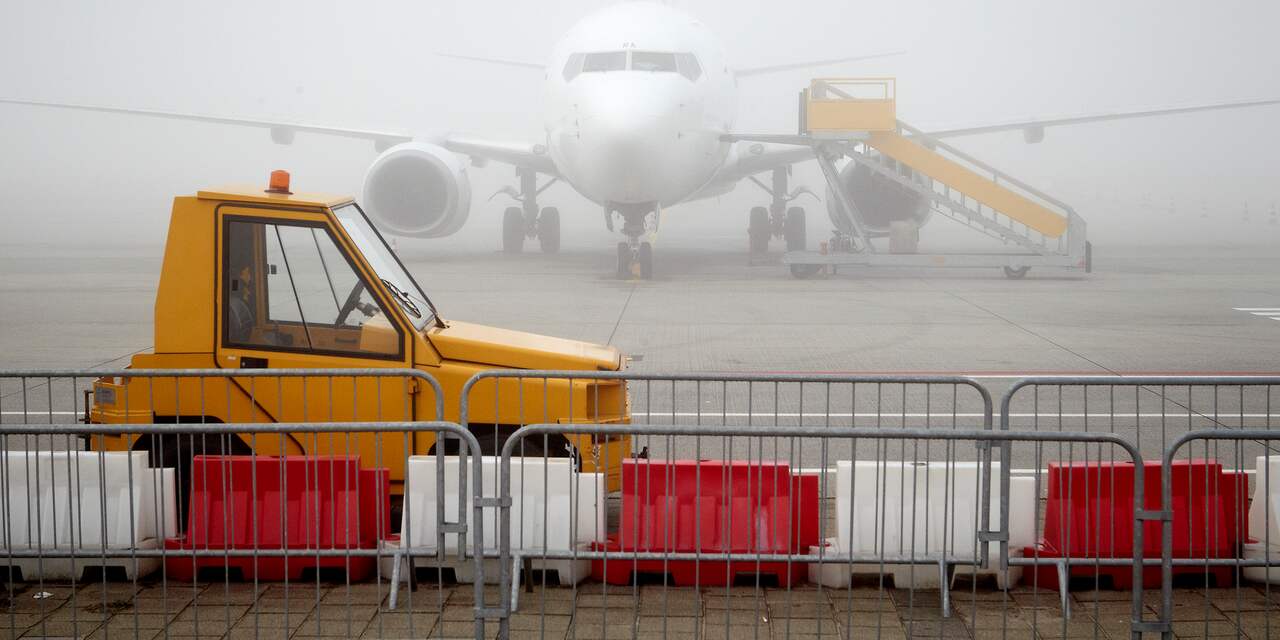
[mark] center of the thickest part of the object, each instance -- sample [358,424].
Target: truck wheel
[513,230]
[549,230]
[555,446]
[176,451]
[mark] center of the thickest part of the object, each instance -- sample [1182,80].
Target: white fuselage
[637,98]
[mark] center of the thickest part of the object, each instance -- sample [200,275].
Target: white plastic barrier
[921,510]
[85,501]
[1264,521]
[553,508]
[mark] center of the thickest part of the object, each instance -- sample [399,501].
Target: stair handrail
[996,174]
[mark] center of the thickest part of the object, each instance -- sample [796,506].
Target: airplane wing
[505,62]
[775,68]
[281,131]
[529,156]
[748,159]
[532,156]
[751,158]
[1033,128]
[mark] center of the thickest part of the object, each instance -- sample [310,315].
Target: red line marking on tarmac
[1007,374]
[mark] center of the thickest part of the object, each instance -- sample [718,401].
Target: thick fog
[78,178]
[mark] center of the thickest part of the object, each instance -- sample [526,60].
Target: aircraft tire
[624,261]
[549,230]
[794,229]
[645,258]
[758,231]
[513,230]
[1016,274]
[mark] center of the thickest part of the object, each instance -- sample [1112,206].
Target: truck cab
[258,279]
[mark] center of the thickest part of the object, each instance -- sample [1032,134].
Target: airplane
[639,98]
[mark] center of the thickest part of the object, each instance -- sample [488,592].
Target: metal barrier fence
[1150,410]
[273,544]
[728,400]
[1238,538]
[717,549]
[776,505]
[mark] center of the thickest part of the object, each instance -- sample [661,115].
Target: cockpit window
[686,64]
[605,61]
[653,61]
[573,66]
[689,66]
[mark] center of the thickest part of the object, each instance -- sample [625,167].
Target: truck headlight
[104,396]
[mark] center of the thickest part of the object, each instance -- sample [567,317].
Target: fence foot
[946,588]
[1063,592]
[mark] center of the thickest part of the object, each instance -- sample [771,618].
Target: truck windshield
[417,307]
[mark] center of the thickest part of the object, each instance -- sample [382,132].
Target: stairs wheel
[804,271]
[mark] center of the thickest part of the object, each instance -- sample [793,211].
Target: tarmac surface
[1143,310]
[710,310]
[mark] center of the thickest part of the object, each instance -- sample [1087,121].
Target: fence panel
[781,531]
[1151,411]
[1220,549]
[272,545]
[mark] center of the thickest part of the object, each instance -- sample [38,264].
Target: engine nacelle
[880,201]
[418,189]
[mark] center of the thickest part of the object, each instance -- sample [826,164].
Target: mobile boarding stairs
[856,117]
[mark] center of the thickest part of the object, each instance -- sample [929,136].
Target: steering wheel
[352,303]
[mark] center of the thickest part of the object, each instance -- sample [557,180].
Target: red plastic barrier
[302,503]
[689,506]
[1090,511]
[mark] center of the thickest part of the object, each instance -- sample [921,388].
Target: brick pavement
[594,611]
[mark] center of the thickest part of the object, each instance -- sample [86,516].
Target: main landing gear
[635,257]
[778,220]
[527,220]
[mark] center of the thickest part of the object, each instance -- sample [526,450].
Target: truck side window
[290,287]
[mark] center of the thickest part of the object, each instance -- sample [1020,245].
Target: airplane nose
[626,143]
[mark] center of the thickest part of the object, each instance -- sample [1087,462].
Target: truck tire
[556,445]
[177,451]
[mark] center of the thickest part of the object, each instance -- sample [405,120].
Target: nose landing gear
[635,257]
[635,261]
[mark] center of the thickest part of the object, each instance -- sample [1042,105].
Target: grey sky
[69,177]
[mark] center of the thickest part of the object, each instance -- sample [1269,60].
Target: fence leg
[946,588]
[395,580]
[1063,592]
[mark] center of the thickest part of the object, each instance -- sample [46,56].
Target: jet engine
[879,200]
[418,189]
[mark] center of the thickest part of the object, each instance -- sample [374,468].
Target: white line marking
[868,414]
[1256,308]
[1266,314]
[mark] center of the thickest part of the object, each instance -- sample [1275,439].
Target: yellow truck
[270,279]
